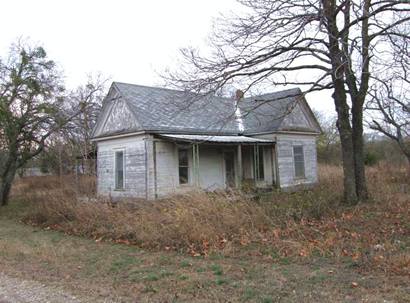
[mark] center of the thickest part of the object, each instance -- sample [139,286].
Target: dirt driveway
[15,290]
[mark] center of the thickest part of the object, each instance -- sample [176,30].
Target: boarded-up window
[119,169]
[299,161]
[183,166]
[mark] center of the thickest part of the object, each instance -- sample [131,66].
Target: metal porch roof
[215,139]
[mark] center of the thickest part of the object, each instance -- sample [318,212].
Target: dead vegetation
[196,221]
[374,235]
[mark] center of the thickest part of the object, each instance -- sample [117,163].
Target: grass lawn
[101,270]
[301,247]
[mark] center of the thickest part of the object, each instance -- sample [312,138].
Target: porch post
[195,162]
[276,159]
[255,162]
[240,170]
[273,164]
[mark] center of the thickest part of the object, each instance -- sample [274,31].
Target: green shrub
[371,158]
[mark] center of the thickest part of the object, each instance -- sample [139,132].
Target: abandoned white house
[153,142]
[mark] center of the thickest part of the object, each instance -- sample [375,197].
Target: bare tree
[30,109]
[320,44]
[88,99]
[328,143]
[391,103]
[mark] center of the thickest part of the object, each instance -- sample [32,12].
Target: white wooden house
[153,142]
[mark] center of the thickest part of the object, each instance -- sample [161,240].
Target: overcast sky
[128,41]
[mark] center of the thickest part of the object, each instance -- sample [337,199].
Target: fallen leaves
[276,233]
[303,253]
[370,235]
[123,241]
[356,256]
[244,241]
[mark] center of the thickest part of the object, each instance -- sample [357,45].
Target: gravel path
[14,290]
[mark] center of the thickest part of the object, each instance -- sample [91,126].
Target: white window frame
[123,168]
[189,152]
[294,162]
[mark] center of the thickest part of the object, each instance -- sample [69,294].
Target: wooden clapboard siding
[284,158]
[151,165]
[135,170]
[167,178]
[286,168]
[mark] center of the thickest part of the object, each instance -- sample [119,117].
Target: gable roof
[164,110]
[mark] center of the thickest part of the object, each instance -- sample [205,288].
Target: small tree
[30,109]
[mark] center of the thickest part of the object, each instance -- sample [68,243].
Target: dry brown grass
[297,225]
[195,221]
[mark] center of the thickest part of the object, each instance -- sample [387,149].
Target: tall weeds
[196,220]
[293,224]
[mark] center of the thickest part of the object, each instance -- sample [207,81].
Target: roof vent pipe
[238,115]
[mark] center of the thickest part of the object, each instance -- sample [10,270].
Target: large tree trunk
[349,180]
[406,153]
[408,161]
[342,108]
[6,183]
[404,146]
[358,146]
[345,132]
[5,188]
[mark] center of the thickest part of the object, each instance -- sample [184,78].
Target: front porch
[214,162]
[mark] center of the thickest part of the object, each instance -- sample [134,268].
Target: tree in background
[88,98]
[389,102]
[328,142]
[332,44]
[71,149]
[377,147]
[31,109]
[392,118]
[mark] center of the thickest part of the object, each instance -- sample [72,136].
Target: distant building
[34,171]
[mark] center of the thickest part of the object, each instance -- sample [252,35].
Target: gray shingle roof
[265,113]
[171,111]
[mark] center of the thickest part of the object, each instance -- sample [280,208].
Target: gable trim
[291,132]
[312,117]
[112,104]
[307,113]
[106,109]
[113,100]
[109,137]
[126,101]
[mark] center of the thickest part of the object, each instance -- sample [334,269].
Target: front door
[229,158]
